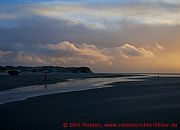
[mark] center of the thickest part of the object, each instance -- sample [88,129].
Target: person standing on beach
[158,75]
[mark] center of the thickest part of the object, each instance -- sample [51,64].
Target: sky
[105,35]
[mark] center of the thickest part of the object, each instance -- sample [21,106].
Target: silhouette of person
[158,75]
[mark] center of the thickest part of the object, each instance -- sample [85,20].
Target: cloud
[69,18]
[4,53]
[61,54]
[75,54]
[129,51]
[158,47]
[68,53]
[6,16]
[82,52]
[30,59]
[123,23]
[95,14]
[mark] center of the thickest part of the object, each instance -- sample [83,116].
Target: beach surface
[151,99]
[10,82]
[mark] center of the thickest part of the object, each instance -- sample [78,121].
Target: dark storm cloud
[28,32]
[39,30]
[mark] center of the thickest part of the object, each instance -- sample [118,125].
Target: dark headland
[38,69]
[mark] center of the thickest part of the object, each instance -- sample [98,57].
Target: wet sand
[22,93]
[10,82]
[152,100]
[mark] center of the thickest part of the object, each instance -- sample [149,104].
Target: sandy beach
[152,100]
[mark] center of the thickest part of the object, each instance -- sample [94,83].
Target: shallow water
[23,93]
[165,75]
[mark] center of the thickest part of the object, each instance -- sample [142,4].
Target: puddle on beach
[23,93]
